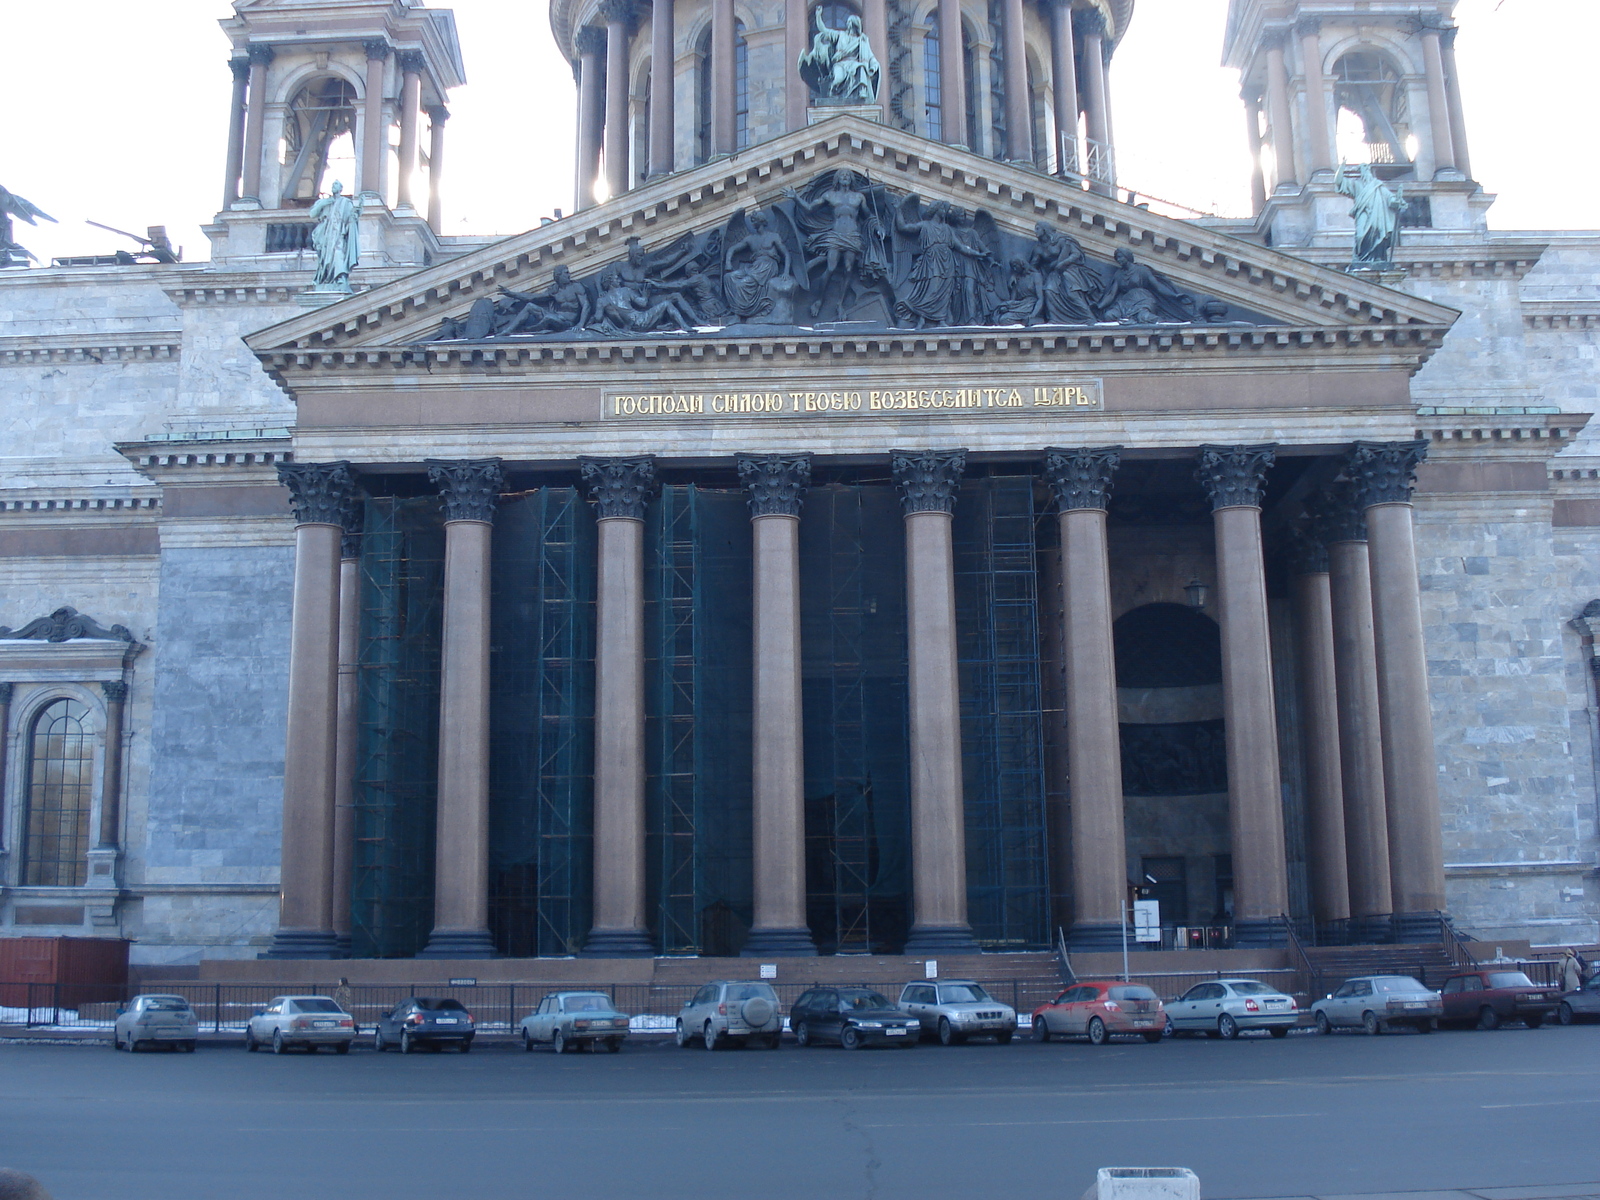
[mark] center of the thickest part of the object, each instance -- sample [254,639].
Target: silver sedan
[147,1020]
[575,1020]
[1226,1008]
[305,1021]
[1581,1005]
[1377,1003]
[955,1009]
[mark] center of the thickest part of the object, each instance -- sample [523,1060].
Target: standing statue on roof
[1376,208]
[13,205]
[840,66]
[335,240]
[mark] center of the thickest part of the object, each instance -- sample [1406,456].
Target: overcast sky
[117,112]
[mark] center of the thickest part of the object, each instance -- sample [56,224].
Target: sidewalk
[1555,1191]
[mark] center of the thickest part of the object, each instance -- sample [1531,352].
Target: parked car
[1378,1003]
[1097,1011]
[575,1021]
[160,1019]
[429,1021]
[1581,1005]
[1226,1008]
[956,1009]
[732,1011]
[305,1021]
[1488,998]
[852,1016]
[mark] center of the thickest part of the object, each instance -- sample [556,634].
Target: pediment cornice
[1296,297]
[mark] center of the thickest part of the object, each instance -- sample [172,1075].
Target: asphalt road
[1254,1118]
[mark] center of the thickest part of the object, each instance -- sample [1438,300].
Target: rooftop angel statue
[13,205]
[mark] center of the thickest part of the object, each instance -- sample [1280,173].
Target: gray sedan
[956,1009]
[1581,1005]
[305,1021]
[1377,1003]
[574,1020]
[1226,1008]
[147,1020]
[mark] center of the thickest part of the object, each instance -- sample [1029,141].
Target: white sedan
[1226,1008]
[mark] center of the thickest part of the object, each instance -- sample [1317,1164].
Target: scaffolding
[402,577]
[541,732]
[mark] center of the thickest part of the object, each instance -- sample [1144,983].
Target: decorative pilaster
[470,489]
[776,484]
[1234,478]
[1080,481]
[621,489]
[928,481]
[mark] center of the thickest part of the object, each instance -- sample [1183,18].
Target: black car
[853,1017]
[425,1021]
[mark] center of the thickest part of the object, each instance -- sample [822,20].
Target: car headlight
[870,1024]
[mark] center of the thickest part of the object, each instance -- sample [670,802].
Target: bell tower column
[374,131]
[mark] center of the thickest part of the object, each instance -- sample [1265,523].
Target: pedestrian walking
[1571,972]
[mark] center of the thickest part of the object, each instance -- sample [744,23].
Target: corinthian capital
[1235,476]
[777,483]
[1081,478]
[319,493]
[377,50]
[620,487]
[591,40]
[1385,472]
[470,487]
[1336,517]
[1307,554]
[928,479]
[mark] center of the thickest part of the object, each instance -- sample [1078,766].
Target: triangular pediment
[1233,285]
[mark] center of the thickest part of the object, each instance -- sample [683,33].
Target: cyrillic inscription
[1081,396]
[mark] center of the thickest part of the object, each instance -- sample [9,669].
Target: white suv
[732,1011]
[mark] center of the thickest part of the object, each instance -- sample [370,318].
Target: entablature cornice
[1506,433]
[67,349]
[207,464]
[1478,260]
[57,505]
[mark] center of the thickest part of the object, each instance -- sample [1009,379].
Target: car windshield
[963,993]
[1397,983]
[446,1004]
[588,1002]
[1132,992]
[1249,987]
[1503,979]
[317,1004]
[863,999]
[166,1004]
[751,991]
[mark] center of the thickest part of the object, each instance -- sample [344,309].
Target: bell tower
[327,90]
[1327,83]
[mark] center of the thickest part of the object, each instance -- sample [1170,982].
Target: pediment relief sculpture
[844,250]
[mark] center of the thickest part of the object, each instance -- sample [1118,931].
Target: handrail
[1454,944]
[1313,974]
[1068,975]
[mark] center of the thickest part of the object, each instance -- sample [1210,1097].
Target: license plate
[445,1021]
[322,1025]
[895,1032]
[1142,1024]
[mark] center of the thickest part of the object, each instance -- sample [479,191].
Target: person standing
[1571,972]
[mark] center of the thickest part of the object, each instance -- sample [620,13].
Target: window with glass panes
[58,795]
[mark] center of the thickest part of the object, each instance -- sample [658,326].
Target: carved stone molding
[1385,472]
[65,624]
[1235,476]
[261,55]
[591,40]
[470,487]
[1089,22]
[413,62]
[115,689]
[240,67]
[1308,27]
[319,493]
[777,483]
[1306,553]
[437,113]
[617,11]
[620,487]
[928,479]
[1336,517]
[377,49]
[1081,478]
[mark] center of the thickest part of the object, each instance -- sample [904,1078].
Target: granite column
[1064,84]
[662,87]
[618,15]
[255,123]
[344,777]
[1284,174]
[411,67]
[438,114]
[1098,164]
[1444,154]
[374,129]
[952,73]
[724,31]
[1318,140]
[238,114]
[1019,103]
[591,113]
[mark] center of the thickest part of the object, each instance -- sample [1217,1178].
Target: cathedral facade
[861,527]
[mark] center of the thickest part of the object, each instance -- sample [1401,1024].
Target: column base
[779,943]
[1414,928]
[618,943]
[941,939]
[344,943]
[1374,929]
[1089,937]
[1259,932]
[303,943]
[459,943]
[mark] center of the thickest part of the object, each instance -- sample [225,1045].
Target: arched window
[318,135]
[1374,119]
[741,93]
[58,794]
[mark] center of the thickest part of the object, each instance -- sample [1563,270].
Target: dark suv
[424,1021]
[852,1017]
[1489,998]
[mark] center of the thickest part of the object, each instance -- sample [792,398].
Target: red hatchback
[1099,1010]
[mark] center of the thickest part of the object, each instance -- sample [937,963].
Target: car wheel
[1565,1014]
[1003,1038]
[682,1034]
[802,1034]
[342,1048]
[774,1040]
[1324,1026]
[1533,1020]
[947,1035]
[709,1036]
[408,1044]
[850,1039]
[1097,1032]
[379,1042]
[1488,1018]
[133,1044]
[278,1046]
[1227,1028]
[250,1043]
[188,1047]
[1041,1031]
[1279,1031]
[527,1042]
[466,1045]
[1370,1023]
[613,1045]
[1426,1026]
[558,1042]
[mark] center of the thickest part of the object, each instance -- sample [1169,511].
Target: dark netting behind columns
[697,583]
[402,567]
[541,724]
[1002,717]
[853,691]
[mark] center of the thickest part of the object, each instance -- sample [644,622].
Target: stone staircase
[1429,962]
